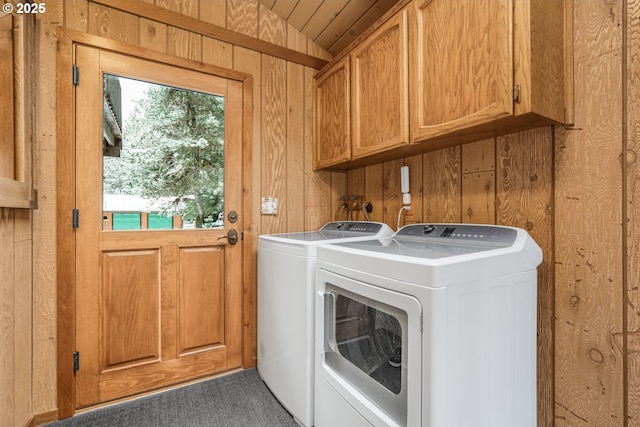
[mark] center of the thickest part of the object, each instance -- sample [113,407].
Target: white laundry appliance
[286,284]
[433,327]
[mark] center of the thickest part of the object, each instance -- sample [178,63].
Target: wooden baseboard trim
[44,418]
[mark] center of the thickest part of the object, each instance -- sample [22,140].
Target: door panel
[130,307]
[154,307]
[201,298]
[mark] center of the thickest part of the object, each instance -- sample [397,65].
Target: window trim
[19,192]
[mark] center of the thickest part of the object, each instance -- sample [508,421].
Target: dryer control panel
[502,236]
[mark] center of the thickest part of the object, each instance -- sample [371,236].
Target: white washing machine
[433,327]
[286,284]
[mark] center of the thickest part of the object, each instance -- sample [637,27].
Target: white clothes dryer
[286,284]
[433,327]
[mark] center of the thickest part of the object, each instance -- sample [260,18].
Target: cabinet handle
[516,93]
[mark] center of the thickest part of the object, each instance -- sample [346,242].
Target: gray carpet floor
[237,399]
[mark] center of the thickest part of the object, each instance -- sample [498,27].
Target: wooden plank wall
[282,132]
[590,198]
[573,195]
[631,135]
[15,316]
[507,181]
[44,304]
[16,244]
[570,188]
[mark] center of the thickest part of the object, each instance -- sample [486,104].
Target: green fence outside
[159,222]
[132,221]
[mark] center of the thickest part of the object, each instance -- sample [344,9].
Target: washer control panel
[353,227]
[504,236]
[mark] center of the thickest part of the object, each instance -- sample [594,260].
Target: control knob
[428,229]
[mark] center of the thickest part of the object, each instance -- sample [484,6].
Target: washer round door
[369,344]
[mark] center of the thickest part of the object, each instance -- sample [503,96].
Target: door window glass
[163,156]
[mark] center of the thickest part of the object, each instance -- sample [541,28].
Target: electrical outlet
[269,206]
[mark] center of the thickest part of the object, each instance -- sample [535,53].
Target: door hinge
[75,218]
[516,93]
[75,75]
[76,361]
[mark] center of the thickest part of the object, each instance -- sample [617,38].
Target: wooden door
[380,88]
[332,141]
[461,65]
[153,307]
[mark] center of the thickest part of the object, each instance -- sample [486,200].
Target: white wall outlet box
[269,206]
[406,198]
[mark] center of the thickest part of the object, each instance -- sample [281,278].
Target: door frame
[65,262]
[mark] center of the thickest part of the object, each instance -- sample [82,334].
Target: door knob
[231,236]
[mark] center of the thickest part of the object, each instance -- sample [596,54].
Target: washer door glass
[371,339]
[365,340]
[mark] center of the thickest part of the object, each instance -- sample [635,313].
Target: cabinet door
[332,141]
[461,65]
[380,89]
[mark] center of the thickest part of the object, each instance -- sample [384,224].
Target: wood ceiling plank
[343,21]
[331,24]
[283,8]
[302,13]
[358,26]
[323,16]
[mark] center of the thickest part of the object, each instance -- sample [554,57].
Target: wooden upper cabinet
[543,59]
[461,65]
[436,73]
[332,137]
[380,84]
